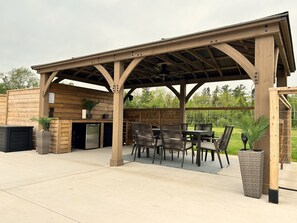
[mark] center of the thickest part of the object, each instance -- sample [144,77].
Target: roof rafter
[215,61]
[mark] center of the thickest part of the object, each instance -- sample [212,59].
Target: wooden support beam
[117,130]
[264,63]
[128,94]
[274,146]
[281,79]
[240,59]
[43,98]
[287,90]
[182,103]
[194,89]
[128,71]
[106,75]
[282,53]
[283,99]
[49,81]
[276,54]
[174,91]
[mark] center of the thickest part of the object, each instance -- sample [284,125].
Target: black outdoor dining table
[195,139]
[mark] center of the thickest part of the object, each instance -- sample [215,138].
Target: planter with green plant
[252,160]
[89,105]
[43,137]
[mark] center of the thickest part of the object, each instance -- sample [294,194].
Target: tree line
[18,78]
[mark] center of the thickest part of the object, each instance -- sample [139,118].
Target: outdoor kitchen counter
[61,130]
[104,129]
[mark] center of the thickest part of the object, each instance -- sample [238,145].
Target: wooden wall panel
[68,101]
[60,136]
[154,116]
[3,108]
[22,105]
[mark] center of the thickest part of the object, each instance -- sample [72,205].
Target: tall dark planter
[251,167]
[43,142]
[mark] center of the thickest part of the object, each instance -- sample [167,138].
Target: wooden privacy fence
[17,107]
[3,102]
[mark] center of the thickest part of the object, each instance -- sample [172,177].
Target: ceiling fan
[163,71]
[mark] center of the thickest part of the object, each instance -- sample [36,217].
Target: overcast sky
[42,31]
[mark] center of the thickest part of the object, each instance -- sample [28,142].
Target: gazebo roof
[193,58]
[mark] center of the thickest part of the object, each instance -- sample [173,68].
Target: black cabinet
[107,141]
[15,138]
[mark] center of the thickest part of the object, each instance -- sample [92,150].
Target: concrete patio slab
[82,187]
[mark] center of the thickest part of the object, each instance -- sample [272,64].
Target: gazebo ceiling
[200,64]
[204,64]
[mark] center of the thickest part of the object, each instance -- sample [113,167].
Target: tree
[215,96]
[145,98]
[18,78]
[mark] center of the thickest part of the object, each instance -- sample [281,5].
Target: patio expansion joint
[51,179]
[36,204]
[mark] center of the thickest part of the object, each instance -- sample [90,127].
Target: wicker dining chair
[207,127]
[135,127]
[173,140]
[205,137]
[219,145]
[145,138]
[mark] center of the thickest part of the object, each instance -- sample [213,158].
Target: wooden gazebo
[260,50]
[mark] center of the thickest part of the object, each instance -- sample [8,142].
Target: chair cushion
[188,145]
[208,146]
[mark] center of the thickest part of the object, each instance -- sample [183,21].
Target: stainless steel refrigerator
[92,136]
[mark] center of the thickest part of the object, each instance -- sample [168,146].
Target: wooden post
[281,79]
[288,133]
[43,98]
[274,146]
[117,130]
[102,135]
[264,62]
[182,103]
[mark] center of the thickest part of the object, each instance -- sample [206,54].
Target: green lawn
[235,143]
